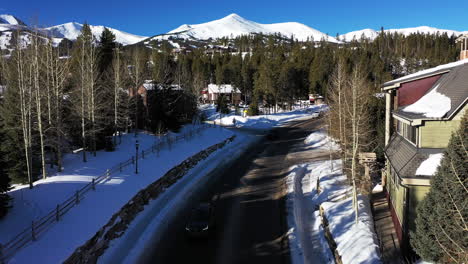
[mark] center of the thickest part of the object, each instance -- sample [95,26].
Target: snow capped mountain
[72,30]
[10,20]
[372,34]
[9,24]
[234,25]
[366,33]
[424,30]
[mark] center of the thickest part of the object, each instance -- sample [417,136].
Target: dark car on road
[201,220]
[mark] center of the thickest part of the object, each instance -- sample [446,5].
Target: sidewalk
[389,243]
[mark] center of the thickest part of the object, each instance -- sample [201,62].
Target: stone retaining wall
[119,222]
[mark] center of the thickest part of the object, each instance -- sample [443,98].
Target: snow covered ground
[356,243]
[82,221]
[260,121]
[146,230]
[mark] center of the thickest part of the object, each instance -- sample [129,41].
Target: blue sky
[153,17]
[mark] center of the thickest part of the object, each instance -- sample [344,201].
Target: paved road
[250,215]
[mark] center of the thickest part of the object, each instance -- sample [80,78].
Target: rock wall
[119,222]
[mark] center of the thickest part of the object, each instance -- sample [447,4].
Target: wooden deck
[389,244]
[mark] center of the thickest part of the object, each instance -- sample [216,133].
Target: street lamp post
[137,145]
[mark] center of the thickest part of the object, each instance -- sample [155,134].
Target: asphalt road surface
[250,215]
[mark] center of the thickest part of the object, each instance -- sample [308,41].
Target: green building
[422,111]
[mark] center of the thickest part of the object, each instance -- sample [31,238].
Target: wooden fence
[41,225]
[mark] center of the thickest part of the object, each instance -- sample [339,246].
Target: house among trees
[422,111]
[463,40]
[147,87]
[316,99]
[228,91]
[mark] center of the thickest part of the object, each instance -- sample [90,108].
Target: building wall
[397,196]
[396,192]
[416,195]
[464,54]
[436,134]
[410,92]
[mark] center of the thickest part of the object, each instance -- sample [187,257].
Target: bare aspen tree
[83,99]
[136,76]
[338,81]
[56,76]
[356,104]
[121,100]
[117,86]
[87,93]
[22,68]
[38,95]
[92,89]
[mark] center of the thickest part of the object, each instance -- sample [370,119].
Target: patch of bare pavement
[250,214]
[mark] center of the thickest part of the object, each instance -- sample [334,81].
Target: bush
[222,106]
[253,110]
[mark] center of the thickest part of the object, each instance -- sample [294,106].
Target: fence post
[33,232]
[77,197]
[1,253]
[133,159]
[120,166]
[157,150]
[57,213]
[93,184]
[317,187]
[142,154]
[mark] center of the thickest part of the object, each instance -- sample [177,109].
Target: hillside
[234,25]
[372,34]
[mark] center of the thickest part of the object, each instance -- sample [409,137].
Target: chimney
[463,39]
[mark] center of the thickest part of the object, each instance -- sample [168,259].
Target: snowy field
[82,221]
[260,121]
[356,243]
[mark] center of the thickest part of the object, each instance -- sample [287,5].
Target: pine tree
[4,178]
[107,45]
[442,217]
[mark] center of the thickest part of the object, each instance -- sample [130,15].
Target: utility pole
[137,145]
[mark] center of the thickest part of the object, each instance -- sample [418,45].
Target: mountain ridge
[229,26]
[371,34]
[235,25]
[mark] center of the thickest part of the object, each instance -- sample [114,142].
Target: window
[407,131]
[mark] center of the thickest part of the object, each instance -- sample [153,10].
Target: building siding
[416,195]
[411,92]
[436,134]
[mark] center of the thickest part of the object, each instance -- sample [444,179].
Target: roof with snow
[443,99]
[223,88]
[150,86]
[409,161]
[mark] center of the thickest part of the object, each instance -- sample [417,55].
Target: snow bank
[320,139]
[260,121]
[429,166]
[356,242]
[432,104]
[306,235]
